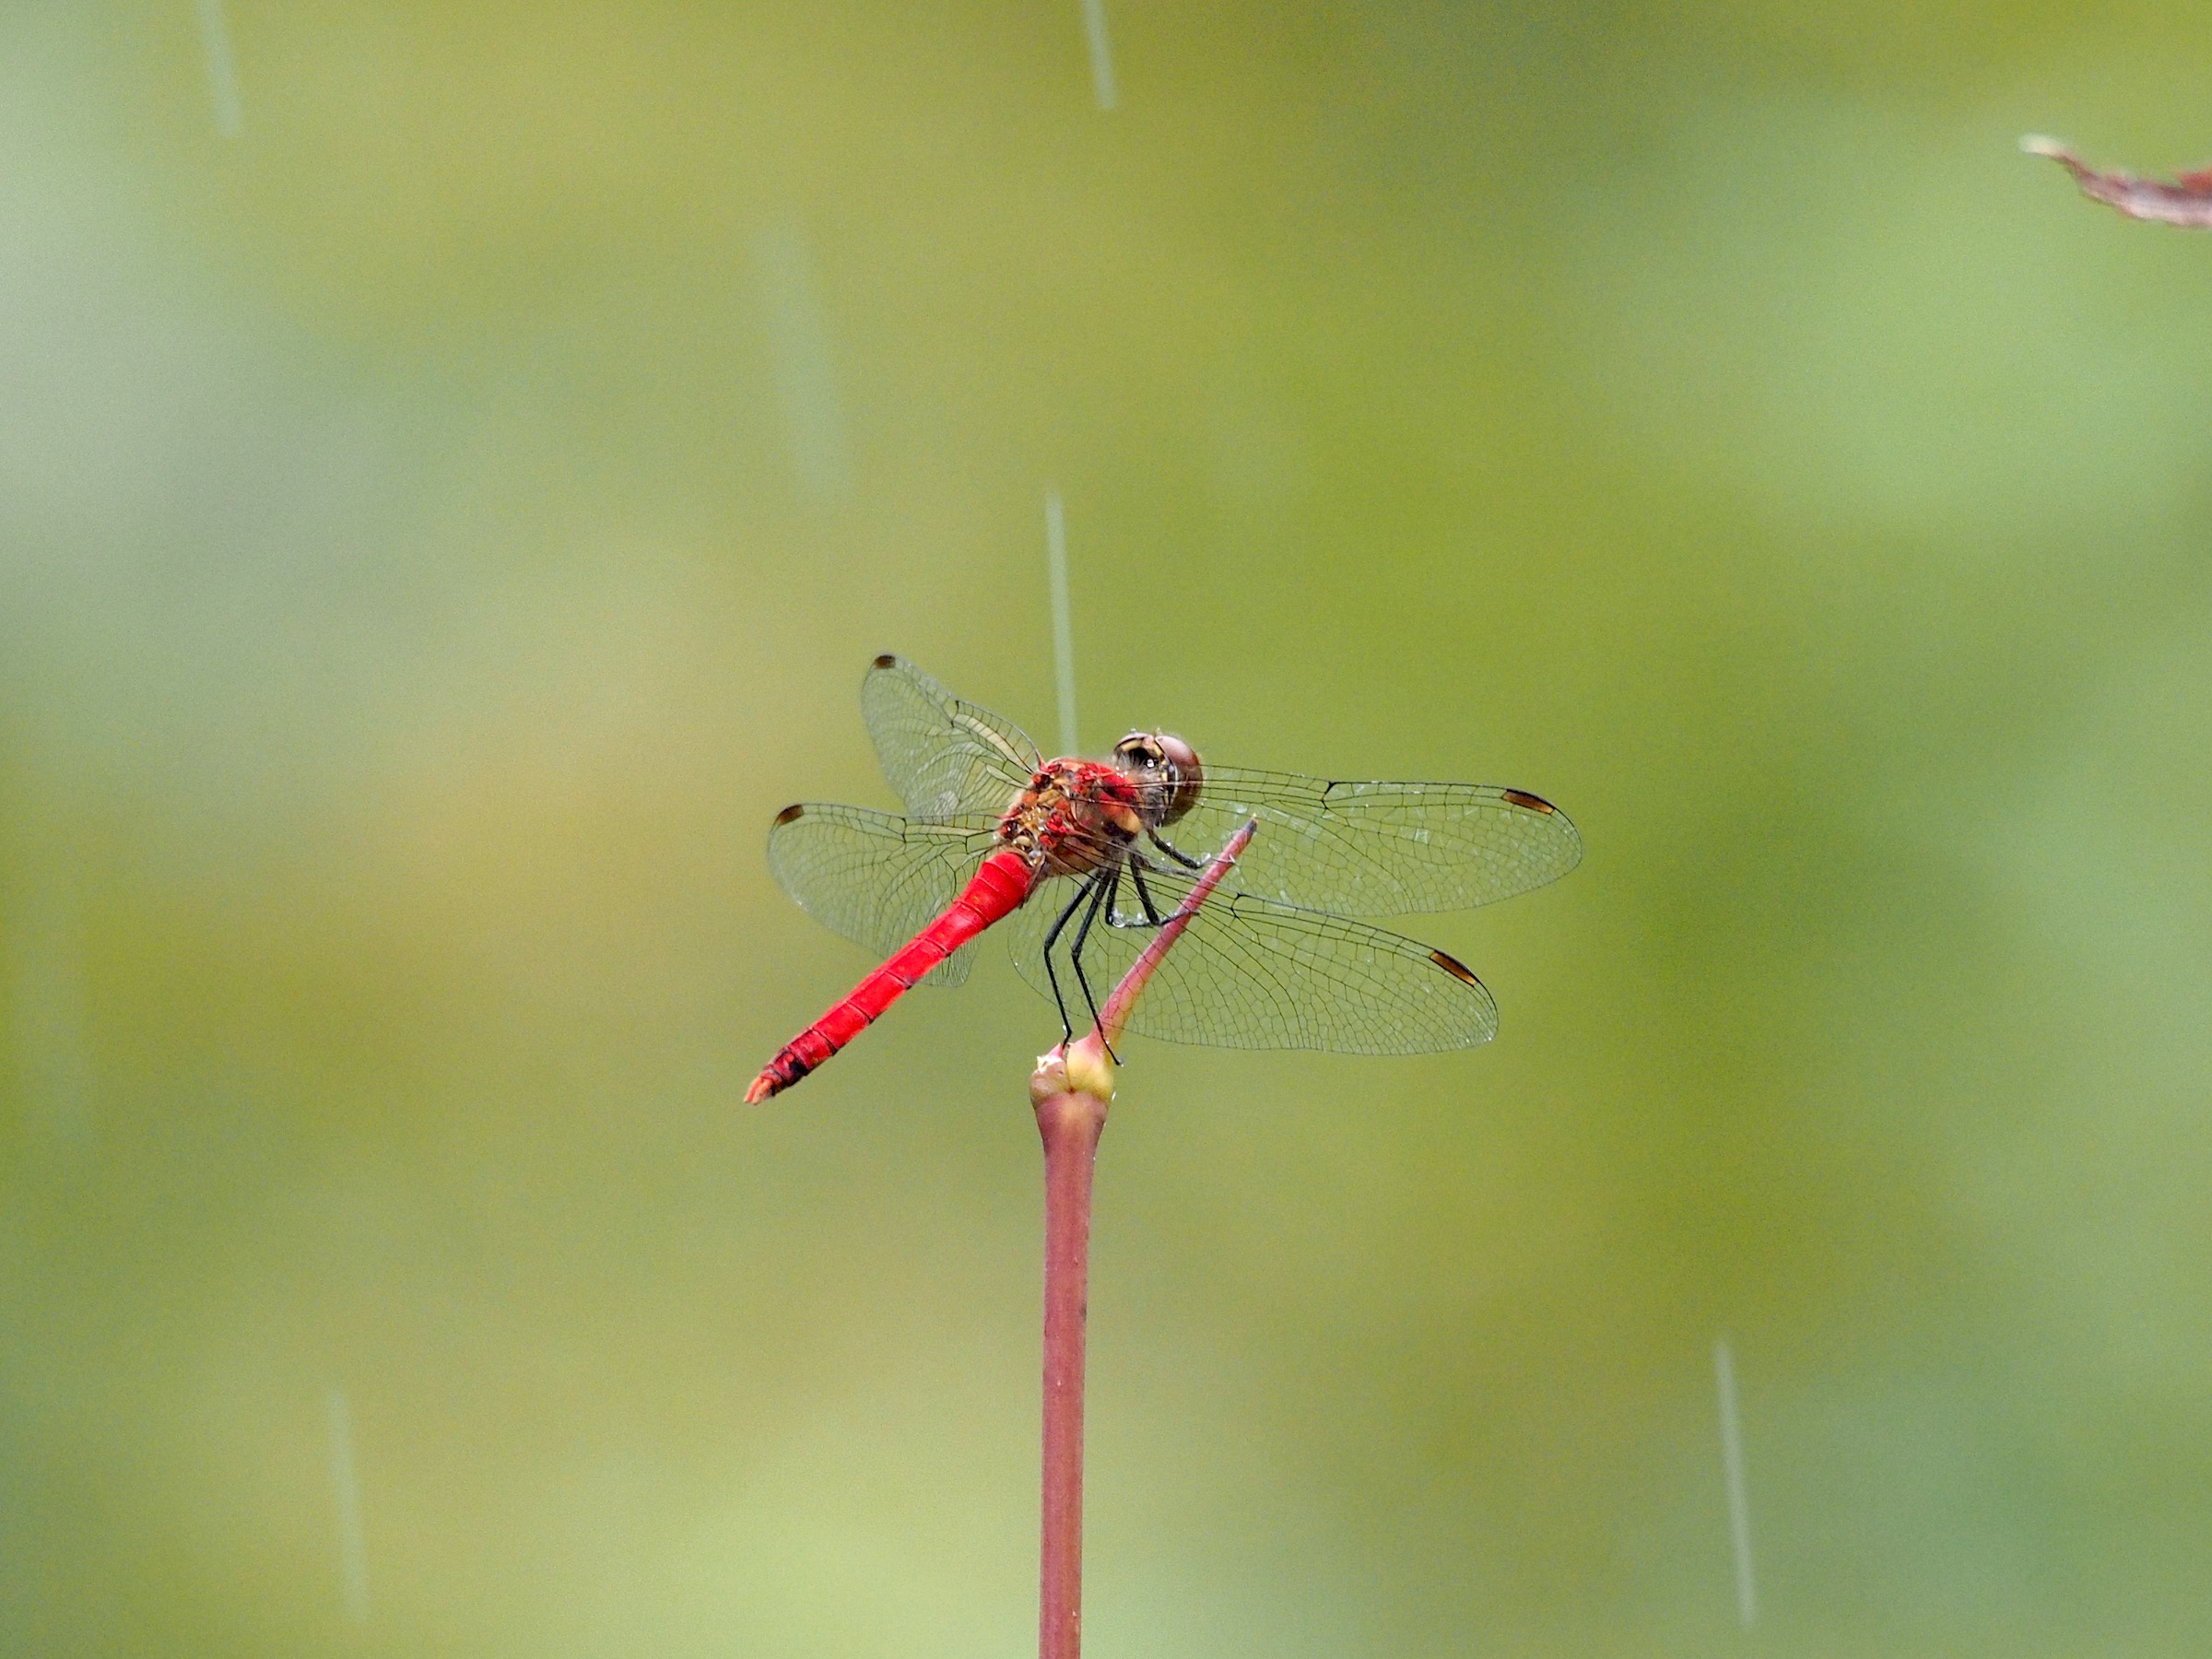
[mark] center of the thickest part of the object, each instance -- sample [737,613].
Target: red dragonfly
[1082,860]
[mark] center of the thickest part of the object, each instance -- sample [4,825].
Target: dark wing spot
[1456,967]
[1521,798]
[886,661]
[790,815]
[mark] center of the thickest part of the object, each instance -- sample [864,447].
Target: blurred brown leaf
[2187,201]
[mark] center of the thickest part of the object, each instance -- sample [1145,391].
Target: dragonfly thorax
[1166,772]
[1076,816]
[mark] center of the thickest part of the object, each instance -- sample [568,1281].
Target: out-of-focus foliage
[441,524]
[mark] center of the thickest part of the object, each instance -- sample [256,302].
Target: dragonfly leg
[1103,887]
[1052,937]
[1143,894]
[1177,853]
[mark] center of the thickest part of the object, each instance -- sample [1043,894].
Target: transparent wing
[875,879]
[1252,973]
[944,757]
[1380,849]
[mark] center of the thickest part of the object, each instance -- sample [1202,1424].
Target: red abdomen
[993,893]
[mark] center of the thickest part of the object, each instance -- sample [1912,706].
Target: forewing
[1380,849]
[945,757]
[877,879]
[1250,973]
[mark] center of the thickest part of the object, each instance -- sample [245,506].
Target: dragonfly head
[1166,772]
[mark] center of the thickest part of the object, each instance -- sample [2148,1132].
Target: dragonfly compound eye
[1169,766]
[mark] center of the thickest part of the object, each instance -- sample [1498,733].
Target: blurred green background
[444,517]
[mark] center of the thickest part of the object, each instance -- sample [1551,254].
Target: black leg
[1052,937]
[1144,893]
[1102,888]
[1181,857]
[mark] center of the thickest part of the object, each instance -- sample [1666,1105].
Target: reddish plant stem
[1071,1088]
[1070,1124]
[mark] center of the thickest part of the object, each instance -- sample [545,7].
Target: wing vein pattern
[875,879]
[1381,849]
[1249,972]
[944,757]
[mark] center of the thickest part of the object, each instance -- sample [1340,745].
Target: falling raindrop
[1732,1466]
[353,1552]
[1064,640]
[805,373]
[222,70]
[1101,52]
